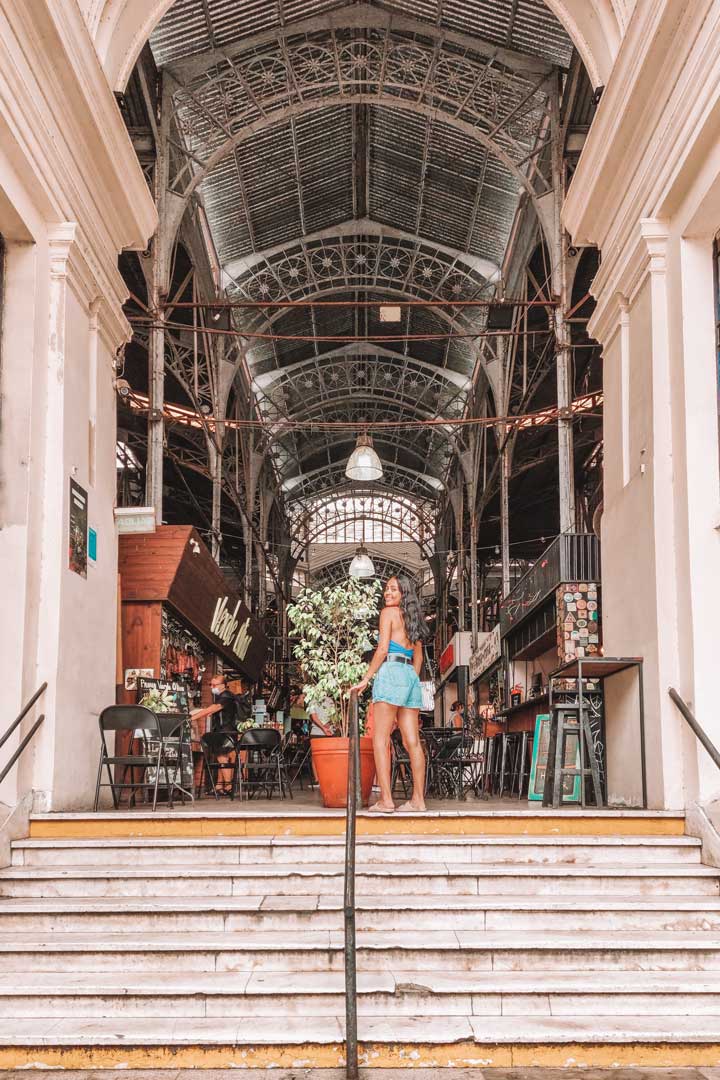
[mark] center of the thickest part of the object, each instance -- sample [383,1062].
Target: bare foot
[381,808]
[412,808]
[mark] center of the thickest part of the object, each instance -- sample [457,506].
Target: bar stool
[509,749]
[522,760]
[491,771]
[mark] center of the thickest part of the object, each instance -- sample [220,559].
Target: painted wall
[647,193]
[71,196]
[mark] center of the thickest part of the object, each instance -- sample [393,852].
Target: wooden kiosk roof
[173,566]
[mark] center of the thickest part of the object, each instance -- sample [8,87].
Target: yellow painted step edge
[296,825]
[410,1056]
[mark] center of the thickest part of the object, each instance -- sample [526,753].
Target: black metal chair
[265,767]
[297,755]
[400,764]
[131,718]
[448,767]
[521,763]
[214,744]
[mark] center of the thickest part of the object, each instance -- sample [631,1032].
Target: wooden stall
[170,582]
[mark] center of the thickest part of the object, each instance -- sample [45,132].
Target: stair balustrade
[18,720]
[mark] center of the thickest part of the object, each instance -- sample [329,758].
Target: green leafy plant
[334,630]
[160,701]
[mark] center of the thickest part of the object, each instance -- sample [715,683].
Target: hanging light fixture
[363,463]
[362,565]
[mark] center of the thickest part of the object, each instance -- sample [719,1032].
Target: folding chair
[448,767]
[297,759]
[265,767]
[220,742]
[130,718]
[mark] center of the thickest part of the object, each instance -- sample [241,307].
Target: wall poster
[78,529]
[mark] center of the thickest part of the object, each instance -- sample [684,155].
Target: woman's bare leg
[409,724]
[384,716]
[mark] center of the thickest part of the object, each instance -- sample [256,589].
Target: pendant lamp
[362,565]
[363,463]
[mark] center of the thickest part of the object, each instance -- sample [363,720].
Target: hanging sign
[487,652]
[447,658]
[227,626]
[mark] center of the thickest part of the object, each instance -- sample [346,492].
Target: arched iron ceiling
[360,151]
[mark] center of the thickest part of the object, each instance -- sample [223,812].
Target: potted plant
[333,627]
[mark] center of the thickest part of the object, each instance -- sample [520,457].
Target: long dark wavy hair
[411,609]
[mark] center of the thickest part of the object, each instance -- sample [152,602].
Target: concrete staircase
[221,951]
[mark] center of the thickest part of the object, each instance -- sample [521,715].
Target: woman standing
[397,696]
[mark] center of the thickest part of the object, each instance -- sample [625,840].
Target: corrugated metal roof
[531,28]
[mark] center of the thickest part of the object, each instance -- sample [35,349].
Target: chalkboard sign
[176,694]
[538,769]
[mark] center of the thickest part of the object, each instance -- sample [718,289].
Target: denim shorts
[398,684]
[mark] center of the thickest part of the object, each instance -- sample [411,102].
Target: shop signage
[487,652]
[228,628]
[134,519]
[447,658]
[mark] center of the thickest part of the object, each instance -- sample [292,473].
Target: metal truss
[397,479]
[383,519]
[364,255]
[357,371]
[422,449]
[334,573]
[227,96]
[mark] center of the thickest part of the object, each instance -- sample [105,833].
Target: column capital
[61,239]
[620,278]
[100,289]
[655,234]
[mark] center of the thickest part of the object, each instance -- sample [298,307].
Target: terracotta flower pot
[330,760]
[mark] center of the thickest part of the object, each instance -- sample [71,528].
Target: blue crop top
[395,648]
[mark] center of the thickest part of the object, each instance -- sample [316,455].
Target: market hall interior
[506,225]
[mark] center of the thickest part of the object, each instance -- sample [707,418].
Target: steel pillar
[215,460]
[566,467]
[158,286]
[505,451]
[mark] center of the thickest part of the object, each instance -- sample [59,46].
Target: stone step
[233,851]
[293,819]
[441,951]
[168,914]
[406,878]
[317,1041]
[396,993]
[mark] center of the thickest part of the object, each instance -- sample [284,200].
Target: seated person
[457,714]
[224,714]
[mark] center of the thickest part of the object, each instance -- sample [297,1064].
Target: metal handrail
[354,803]
[18,720]
[685,710]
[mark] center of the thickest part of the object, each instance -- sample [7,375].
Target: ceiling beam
[487,269]
[359,349]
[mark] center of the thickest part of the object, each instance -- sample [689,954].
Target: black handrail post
[21,747]
[23,714]
[703,738]
[354,802]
